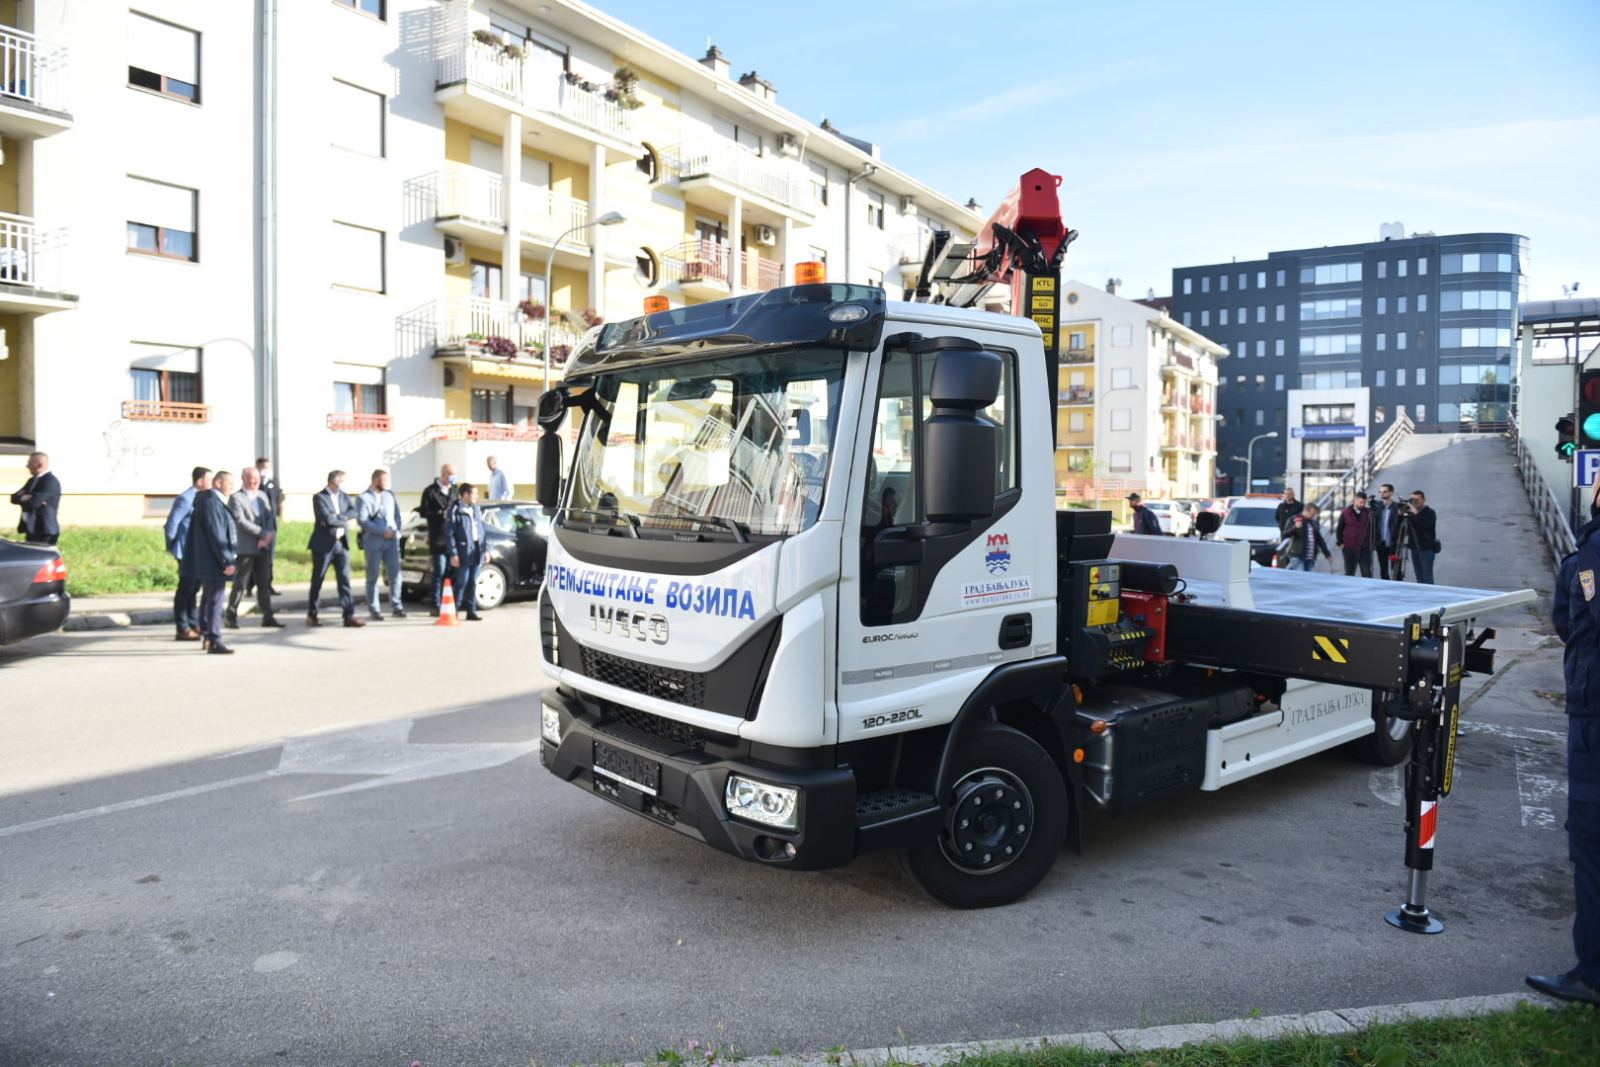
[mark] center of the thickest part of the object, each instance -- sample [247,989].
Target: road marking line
[129,805]
[1537,791]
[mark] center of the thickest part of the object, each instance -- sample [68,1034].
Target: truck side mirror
[959,443]
[549,469]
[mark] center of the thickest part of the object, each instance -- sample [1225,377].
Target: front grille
[681,687]
[651,731]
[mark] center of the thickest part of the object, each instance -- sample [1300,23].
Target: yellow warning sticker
[1326,648]
[1044,322]
[1044,285]
[1043,303]
[1104,612]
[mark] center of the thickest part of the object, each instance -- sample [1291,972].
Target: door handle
[1016,631]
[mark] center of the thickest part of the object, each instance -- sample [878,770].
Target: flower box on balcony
[165,411]
[358,422]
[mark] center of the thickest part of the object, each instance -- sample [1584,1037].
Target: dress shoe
[375,616]
[312,620]
[216,648]
[1565,987]
[276,592]
[271,623]
[187,635]
[353,622]
[473,616]
[398,613]
[231,621]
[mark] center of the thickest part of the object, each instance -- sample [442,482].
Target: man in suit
[378,512]
[258,528]
[463,530]
[333,510]
[274,495]
[436,502]
[184,613]
[208,558]
[1424,536]
[40,499]
[1386,522]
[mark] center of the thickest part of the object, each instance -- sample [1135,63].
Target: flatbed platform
[1310,595]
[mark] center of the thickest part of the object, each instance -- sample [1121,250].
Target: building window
[1205,284]
[161,219]
[1383,269]
[1379,379]
[1475,262]
[875,214]
[163,58]
[1277,382]
[875,277]
[164,384]
[1399,377]
[1121,377]
[1422,375]
[1333,309]
[356,255]
[1400,268]
[371,7]
[491,405]
[1261,349]
[1222,283]
[1382,341]
[356,115]
[1261,417]
[1330,274]
[1244,316]
[486,283]
[1422,413]
[1278,313]
[1281,276]
[1261,313]
[1400,341]
[1075,341]
[1383,305]
[646,268]
[1122,419]
[1422,265]
[1422,298]
[1121,462]
[1205,317]
[1244,282]
[1188,286]
[1277,347]
[1076,421]
[1186,318]
[1474,300]
[358,390]
[1261,279]
[1400,305]
[819,181]
[1335,344]
[1121,336]
[1222,316]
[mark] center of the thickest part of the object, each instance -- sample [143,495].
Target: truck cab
[807,595]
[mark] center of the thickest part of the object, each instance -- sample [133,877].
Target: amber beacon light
[810,272]
[653,304]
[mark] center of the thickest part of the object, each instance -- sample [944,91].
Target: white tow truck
[808,595]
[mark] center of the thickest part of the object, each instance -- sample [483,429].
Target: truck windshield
[728,447]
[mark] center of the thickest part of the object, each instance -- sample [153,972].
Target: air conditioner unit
[908,205]
[455,250]
[766,235]
[788,145]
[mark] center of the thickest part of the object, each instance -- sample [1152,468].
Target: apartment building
[1136,399]
[1423,322]
[361,233]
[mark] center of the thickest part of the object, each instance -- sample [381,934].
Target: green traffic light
[1591,426]
[1566,449]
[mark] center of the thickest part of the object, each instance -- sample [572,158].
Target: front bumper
[38,615]
[689,791]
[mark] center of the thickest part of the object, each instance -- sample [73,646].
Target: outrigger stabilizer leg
[1434,702]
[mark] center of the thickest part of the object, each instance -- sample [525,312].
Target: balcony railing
[527,77]
[165,411]
[358,422]
[482,431]
[1180,361]
[1078,355]
[494,329]
[32,70]
[766,176]
[1075,394]
[712,262]
[477,194]
[30,256]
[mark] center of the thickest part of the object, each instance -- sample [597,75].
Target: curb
[1342,1021]
[78,622]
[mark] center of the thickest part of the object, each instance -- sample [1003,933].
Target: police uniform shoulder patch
[1586,580]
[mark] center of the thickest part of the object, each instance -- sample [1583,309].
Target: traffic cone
[447,607]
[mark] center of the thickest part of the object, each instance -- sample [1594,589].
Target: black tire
[1001,776]
[1386,746]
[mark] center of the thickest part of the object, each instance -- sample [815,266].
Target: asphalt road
[339,847]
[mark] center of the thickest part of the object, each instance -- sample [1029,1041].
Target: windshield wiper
[741,532]
[627,517]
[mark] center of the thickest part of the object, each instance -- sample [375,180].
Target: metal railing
[774,179]
[32,70]
[165,411]
[358,422]
[1075,394]
[462,430]
[712,261]
[477,194]
[1078,355]
[1357,478]
[495,329]
[1547,507]
[28,255]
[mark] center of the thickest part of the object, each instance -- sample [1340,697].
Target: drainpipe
[266,296]
[849,211]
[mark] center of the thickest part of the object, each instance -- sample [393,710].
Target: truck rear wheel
[1004,827]
[1387,745]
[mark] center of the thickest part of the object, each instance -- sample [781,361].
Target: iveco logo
[625,623]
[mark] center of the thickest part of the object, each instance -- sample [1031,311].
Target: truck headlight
[552,724]
[771,805]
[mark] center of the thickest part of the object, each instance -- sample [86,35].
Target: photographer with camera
[1421,529]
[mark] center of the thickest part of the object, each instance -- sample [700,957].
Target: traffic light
[1566,437]
[1589,409]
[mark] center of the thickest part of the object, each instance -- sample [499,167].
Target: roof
[1553,319]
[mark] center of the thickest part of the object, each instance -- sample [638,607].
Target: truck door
[923,619]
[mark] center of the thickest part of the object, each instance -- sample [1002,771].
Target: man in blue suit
[40,499]
[208,558]
[184,612]
[333,510]
[463,531]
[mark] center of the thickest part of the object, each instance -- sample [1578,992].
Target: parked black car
[33,591]
[515,533]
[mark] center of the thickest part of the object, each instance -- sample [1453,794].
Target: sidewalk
[155,609]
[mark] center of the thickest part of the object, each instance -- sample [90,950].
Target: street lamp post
[1250,459]
[610,218]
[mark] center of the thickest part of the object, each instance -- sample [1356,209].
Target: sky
[1193,133]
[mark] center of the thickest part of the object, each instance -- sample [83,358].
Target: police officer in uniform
[1577,619]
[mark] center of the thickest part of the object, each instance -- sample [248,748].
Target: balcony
[1200,407]
[33,83]
[495,339]
[358,422]
[461,430]
[1075,396]
[705,270]
[165,411]
[1177,363]
[1172,403]
[712,173]
[469,203]
[1078,355]
[478,77]
[30,268]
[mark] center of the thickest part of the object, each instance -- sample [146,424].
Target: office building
[349,233]
[1424,323]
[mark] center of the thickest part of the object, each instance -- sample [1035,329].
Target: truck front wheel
[1005,823]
